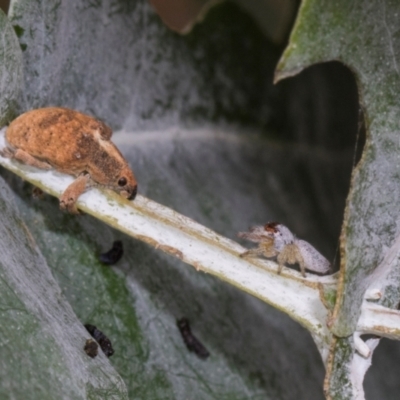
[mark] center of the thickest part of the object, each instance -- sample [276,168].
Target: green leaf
[370,222]
[115,60]
[364,36]
[41,338]
[137,302]
[119,63]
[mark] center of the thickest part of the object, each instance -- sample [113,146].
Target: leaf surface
[365,37]
[116,61]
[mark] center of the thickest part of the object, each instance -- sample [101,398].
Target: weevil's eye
[122,182]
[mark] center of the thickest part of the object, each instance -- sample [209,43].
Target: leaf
[161,289]
[120,63]
[328,31]
[368,194]
[181,15]
[10,71]
[115,60]
[42,340]
[273,17]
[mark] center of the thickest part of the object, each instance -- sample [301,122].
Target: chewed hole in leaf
[320,108]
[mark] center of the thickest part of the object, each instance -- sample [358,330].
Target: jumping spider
[276,240]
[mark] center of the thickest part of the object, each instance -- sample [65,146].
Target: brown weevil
[72,143]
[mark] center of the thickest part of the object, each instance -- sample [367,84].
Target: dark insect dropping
[91,348]
[37,193]
[113,255]
[192,343]
[101,339]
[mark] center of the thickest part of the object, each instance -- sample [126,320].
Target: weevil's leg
[7,152]
[72,192]
[25,158]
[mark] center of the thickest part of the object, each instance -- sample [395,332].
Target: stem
[379,320]
[159,226]
[198,246]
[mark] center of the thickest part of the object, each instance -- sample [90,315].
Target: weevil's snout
[129,192]
[127,185]
[133,193]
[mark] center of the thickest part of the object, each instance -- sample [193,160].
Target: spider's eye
[122,182]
